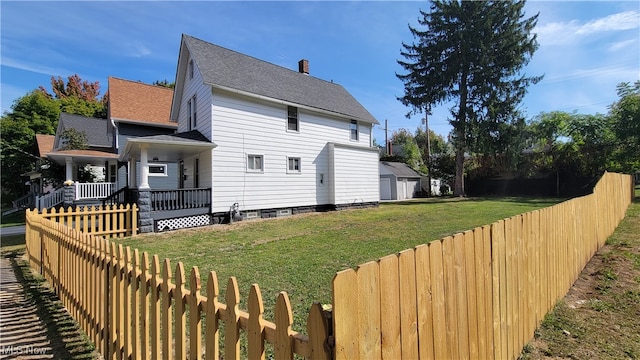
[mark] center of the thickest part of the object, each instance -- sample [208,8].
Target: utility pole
[386,137]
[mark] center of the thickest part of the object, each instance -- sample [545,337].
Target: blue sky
[586,47]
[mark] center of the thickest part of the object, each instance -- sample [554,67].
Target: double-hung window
[354,130]
[293,165]
[193,116]
[292,119]
[255,163]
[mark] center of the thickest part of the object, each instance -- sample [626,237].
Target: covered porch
[99,166]
[159,207]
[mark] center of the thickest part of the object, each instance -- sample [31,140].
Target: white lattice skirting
[183,222]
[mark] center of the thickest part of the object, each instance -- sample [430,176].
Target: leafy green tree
[38,112]
[34,113]
[406,150]
[625,116]
[74,140]
[164,83]
[78,96]
[471,53]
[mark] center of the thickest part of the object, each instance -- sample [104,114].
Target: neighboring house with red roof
[134,109]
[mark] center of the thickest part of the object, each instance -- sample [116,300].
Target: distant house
[263,138]
[398,181]
[134,109]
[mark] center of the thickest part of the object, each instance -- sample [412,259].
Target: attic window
[191,69]
[292,119]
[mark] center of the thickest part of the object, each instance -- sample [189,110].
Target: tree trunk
[458,189]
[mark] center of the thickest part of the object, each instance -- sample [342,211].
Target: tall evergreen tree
[470,53]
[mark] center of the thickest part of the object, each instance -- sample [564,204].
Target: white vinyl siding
[195,89]
[244,126]
[354,174]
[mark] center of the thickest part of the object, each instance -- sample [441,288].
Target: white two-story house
[272,140]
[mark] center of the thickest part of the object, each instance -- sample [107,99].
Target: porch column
[144,193]
[144,167]
[68,165]
[133,170]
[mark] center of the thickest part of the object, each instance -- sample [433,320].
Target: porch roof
[172,147]
[93,157]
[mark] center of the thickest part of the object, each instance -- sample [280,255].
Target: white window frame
[191,66]
[291,161]
[289,118]
[351,130]
[193,113]
[164,173]
[251,163]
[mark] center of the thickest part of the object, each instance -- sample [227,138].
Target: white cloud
[621,45]
[621,21]
[34,67]
[559,33]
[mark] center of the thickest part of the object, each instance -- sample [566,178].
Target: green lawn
[301,254]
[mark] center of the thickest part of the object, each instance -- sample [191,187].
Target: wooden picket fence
[475,295]
[130,307]
[108,220]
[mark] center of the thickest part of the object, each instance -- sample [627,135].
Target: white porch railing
[50,200]
[94,190]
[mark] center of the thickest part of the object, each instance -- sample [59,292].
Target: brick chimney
[303,66]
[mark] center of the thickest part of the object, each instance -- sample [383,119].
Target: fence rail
[479,294]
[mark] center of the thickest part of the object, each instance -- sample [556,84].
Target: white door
[385,189]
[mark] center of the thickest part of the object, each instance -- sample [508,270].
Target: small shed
[398,181]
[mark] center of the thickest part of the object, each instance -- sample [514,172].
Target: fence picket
[424,302]
[472,295]
[195,320]
[166,318]
[145,306]
[212,330]
[255,327]
[154,316]
[440,349]
[232,321]
[180,313]
[390,301]
[283,344]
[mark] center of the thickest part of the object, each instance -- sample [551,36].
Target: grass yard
[301,254]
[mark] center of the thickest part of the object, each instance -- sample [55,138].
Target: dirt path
[22,334]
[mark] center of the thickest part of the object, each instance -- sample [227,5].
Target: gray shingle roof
[400,169]
[193,136]
[96,130]
[227,68]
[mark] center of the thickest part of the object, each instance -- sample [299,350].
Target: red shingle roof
[138,102]
[45,144]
